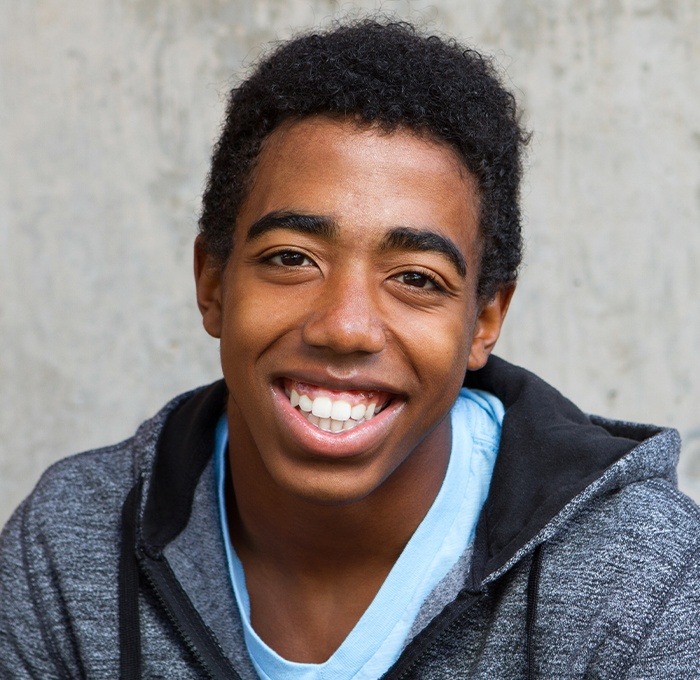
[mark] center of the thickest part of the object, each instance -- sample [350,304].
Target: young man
[339,506]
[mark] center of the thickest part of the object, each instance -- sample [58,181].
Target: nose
[345,318]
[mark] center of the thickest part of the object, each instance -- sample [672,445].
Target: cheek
[241,328]
[251,323]
[438,345]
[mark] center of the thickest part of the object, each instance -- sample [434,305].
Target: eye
[290,258]
[418,280]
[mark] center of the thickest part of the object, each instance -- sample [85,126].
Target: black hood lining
[184,448]
[550,451]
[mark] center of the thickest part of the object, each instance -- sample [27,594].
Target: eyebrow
[405,238]
[398,238]
[315,225]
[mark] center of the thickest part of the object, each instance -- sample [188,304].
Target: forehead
[362,176]
[297,144]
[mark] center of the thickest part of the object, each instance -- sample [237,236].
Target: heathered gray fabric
[443,593]
[618,598]
[59,557]
[619,595]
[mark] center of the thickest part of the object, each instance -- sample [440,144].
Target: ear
[488,326]
[207,277]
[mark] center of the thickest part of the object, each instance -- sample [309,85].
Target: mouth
[334,411]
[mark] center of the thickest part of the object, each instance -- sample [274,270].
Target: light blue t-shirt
[445,533]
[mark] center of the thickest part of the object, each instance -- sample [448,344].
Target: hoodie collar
[184,448]
[550,452]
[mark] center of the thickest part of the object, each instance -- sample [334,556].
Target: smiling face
[347,311]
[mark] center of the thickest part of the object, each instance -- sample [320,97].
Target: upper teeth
[331,415]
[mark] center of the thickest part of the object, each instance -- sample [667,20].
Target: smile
[333,411]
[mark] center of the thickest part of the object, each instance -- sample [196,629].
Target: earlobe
[488,326]
[207,277]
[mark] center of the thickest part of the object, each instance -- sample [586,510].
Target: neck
[320,541]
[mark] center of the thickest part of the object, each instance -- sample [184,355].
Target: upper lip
[356,382]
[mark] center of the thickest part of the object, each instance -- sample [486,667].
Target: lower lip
[346,444]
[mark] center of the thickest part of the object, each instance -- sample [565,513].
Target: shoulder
[59,564]
[88,477]
[85,492]
[81,491]
[645,532]
[70,521]
[649,517]
[59,561]
[624,566]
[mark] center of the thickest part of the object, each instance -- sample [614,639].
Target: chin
[329,488]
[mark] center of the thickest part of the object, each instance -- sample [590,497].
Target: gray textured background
[108,110]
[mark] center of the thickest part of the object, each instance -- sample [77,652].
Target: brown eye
[417,280]
[291,258]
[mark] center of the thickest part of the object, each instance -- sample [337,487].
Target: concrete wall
[108,111]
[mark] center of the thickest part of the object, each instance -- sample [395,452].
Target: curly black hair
[387,74]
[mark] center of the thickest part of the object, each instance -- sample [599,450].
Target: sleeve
[24,644]
[672,648]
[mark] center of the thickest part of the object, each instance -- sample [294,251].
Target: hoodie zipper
[402,670]
[416,650]
[197,638]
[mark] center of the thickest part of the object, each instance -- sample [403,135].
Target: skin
[318,522]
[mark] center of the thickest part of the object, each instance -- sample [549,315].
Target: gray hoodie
[586,562]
